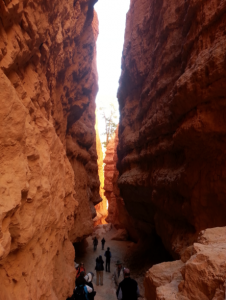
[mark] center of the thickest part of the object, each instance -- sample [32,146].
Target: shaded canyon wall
[172,131]
[48,172]
[117,212]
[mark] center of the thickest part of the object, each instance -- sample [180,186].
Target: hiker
[118,273]
[80,280]
[82,290]
[99,270]
[80,268]
[95,243]
[108,259]
[128,289]
[89,278]
[103,242]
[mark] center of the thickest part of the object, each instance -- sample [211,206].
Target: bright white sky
[112,20]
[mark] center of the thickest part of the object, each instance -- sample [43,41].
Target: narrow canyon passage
[88,256]
[165,168]
[137,257]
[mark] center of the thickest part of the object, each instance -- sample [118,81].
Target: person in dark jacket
[128,288]
[99,270]
[103,242]
[89,278]
[108,259]
[80,280]
[95,243]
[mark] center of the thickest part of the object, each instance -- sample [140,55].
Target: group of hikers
[126,287]
[95,243]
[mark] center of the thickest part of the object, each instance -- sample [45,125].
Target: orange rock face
[101,208]
[48,172]
[109,169]
[172,128]
[202,275]
[117,213]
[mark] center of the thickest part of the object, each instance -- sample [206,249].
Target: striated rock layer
[48,172]
[172,130]
[201,274]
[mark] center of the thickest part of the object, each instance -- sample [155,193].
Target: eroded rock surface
[117,213]
[200,276]
[172,127]
[109,169]
[48,172]
[101,208]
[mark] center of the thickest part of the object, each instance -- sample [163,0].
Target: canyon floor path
[118,250]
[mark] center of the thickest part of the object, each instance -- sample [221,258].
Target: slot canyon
[162,193]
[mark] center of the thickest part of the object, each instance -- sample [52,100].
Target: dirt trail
[118,250]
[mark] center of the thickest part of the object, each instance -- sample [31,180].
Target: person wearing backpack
[108,259]
[82,289]
[80,280]
[99,270]
[89,278]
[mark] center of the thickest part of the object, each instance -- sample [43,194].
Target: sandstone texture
[100,230]
[109,169]
[172,131]
[120,235]
[48,172]
[200,276]
[117,213]
[101,208]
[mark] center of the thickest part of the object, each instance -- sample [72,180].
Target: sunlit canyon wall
[172,131]
[48,162]
[102,207]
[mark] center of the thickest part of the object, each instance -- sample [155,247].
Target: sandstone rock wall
[109,169]
[101,208]
[201,274]
[48,173]
[117,213]
[172,100]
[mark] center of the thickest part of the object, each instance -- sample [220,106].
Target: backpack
[99,265]
[81,293]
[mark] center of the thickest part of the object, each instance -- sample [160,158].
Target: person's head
[100,257]
[119,264]
[108,249]
[82,274]
[126,272]
[82,264]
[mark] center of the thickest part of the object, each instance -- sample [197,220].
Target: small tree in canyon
[110,118]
